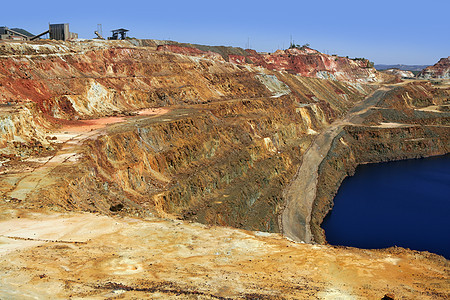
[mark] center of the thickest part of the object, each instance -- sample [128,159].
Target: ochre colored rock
[302,61]
[190,51]
[145,144]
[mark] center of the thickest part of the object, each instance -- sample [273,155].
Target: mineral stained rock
[440,70]
[112,154]
[400,73]
[303,61]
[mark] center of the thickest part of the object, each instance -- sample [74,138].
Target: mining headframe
[116,32]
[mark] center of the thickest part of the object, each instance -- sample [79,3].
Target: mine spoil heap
[440,70]
[153,169]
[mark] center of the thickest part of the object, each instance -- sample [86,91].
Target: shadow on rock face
[116,208]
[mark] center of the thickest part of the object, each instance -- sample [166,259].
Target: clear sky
[384,31]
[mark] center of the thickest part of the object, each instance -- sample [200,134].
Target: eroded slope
[440,70]
[194,137]
[232,138]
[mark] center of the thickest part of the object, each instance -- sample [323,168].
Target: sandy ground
[432,108]
[60,256]
[391,125]
[83,126]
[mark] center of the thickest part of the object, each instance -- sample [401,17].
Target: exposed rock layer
[303,61]
[230,139]
[233,137]
[220,163]
[400,73]
[440,70]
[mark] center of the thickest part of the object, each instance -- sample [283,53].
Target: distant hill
[412,68]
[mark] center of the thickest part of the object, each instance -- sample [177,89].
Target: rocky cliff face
[233,135]
[440,70]
[62,82]
[311,63]
[120,128]
[305,62]
[219,163]
[93,79]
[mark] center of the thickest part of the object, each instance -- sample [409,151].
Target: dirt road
[299,196]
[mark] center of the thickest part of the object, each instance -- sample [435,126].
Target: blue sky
[391,32]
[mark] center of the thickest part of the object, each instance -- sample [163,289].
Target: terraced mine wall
[221,163]
[409,132]
[232,138]
[62,82]
[303,61]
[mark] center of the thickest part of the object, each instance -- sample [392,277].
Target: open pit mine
[150,169]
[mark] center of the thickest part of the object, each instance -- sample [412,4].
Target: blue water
[404,203]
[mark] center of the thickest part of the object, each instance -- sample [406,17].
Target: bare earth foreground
[80,255]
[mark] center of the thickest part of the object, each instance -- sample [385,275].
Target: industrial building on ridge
[61,32]
[15,34]
[119,34]
[58,32]
[55,31]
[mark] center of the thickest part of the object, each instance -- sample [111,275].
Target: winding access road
[299,196]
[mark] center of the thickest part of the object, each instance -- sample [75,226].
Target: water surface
[404,203]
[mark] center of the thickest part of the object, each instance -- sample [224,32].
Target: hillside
[23,31]
[440,70]
[146,169]
[399,73]
[302,61]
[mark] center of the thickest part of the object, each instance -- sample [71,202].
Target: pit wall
[221,163]
[233,138]
[44,86]
[303,61]
[441,70]
[424,134]
[71,81]
[61,82]
[23,132]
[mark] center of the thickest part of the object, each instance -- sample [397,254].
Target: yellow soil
[48,255]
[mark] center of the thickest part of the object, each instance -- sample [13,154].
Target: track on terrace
[299,196]
[24,182]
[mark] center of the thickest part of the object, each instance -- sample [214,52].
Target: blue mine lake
[404,203]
